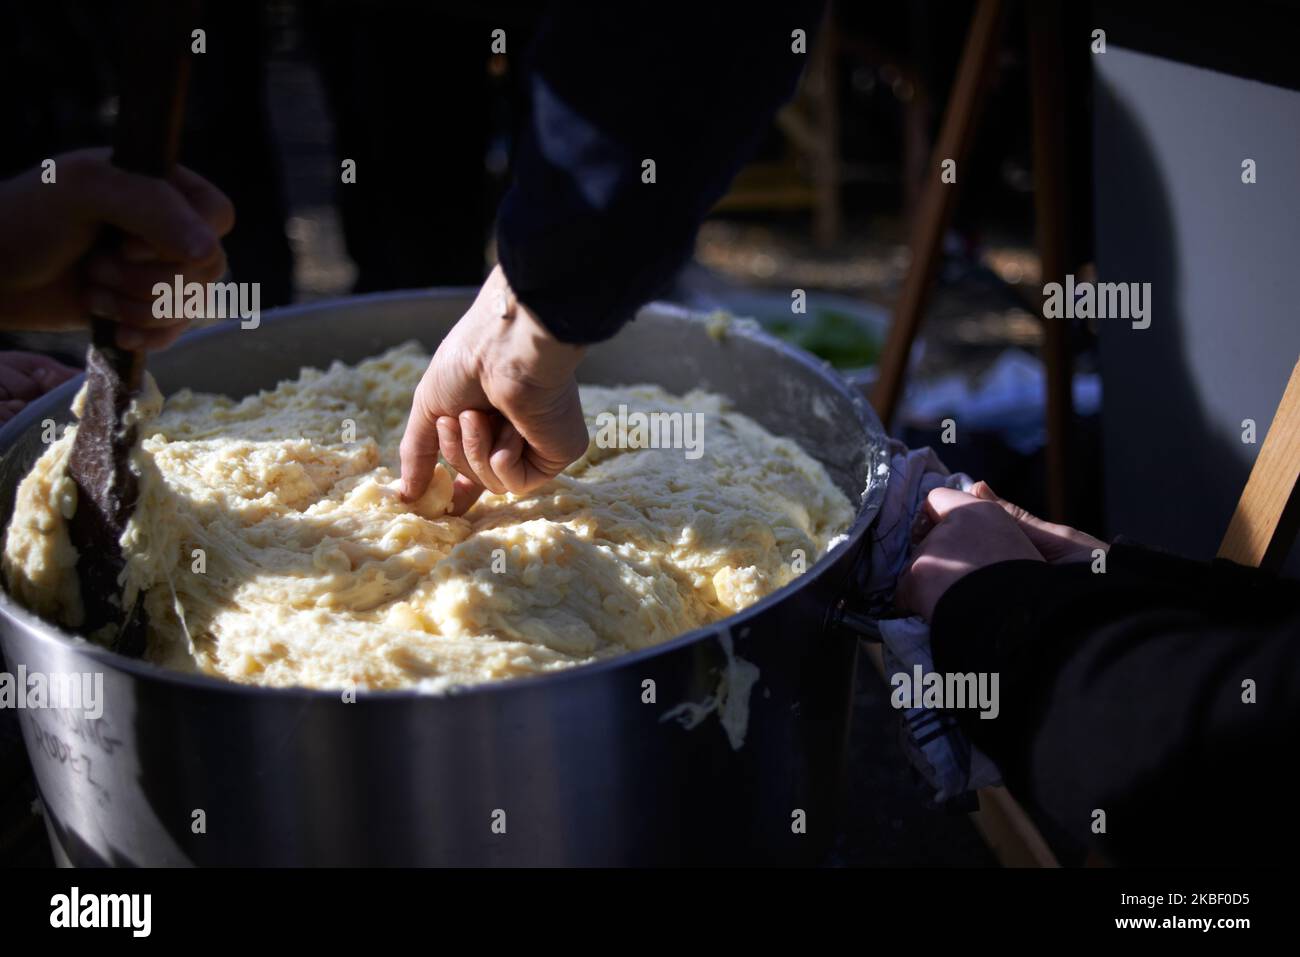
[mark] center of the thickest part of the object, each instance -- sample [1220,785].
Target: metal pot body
[625,761]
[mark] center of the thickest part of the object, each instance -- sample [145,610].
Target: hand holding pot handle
[968,533]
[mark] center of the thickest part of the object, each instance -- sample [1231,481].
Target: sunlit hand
[499,401]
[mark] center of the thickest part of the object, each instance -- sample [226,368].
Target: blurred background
[288,88]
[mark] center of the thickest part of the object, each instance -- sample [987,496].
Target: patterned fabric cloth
[930,737]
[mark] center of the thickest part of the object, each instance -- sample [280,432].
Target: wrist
[517,335]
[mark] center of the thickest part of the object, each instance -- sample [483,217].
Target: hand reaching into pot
[499,401]
[970,531]
[52,275]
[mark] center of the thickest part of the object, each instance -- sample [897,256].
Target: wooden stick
[1008,831]
[1264,526]
[1047,96]
[154,74]
[937,202]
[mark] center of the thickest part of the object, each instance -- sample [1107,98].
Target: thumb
[942,501]
[464,493]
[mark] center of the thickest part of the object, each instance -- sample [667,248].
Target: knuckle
[509,392]
[979,511]
[578,442]
[224,215]
[921,566]
[471,441]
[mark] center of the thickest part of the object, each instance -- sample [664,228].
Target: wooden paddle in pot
[154,76]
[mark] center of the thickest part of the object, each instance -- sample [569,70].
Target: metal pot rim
[868,507]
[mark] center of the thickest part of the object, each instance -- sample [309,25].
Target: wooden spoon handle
[154,77]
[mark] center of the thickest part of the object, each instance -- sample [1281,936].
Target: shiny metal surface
[572,768]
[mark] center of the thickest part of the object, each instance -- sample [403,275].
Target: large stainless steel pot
[584,771]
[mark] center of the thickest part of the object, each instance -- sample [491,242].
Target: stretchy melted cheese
[271,548]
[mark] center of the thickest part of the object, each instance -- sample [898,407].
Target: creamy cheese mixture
[271,547]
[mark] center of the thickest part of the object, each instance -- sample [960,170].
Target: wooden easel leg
[1264,525]
[1009,832]
[938,201]
[1006,828]
[1047,94]
[826,157]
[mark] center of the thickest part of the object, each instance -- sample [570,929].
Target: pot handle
[847,621]
[852,615]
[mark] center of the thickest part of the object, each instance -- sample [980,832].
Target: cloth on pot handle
[931,738]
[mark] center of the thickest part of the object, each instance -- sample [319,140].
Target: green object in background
[838,337]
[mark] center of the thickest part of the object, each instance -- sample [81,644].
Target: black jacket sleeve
[692,86]
[1163,692]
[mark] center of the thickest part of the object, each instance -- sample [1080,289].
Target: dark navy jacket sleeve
[583,240]
[1164,692]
